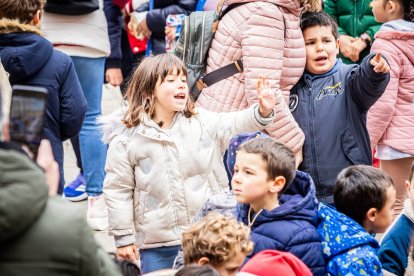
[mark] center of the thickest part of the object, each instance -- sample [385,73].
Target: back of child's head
[197,270]
[312,19]
[140,92]
[274,262]
[279,158]
[234,145]
[22,10]
[216,237]
[359,188]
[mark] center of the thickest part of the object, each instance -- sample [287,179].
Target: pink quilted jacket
[267,37]
[391,119]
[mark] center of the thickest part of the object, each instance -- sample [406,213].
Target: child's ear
[337,46]
[393,6]
[408,186]
[37,18]
[203,261]
[278,184]
[371,215]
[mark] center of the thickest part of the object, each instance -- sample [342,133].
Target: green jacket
[354,17]
[41,235]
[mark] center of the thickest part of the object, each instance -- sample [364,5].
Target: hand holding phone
[27,115]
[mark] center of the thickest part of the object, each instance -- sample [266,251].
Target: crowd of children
[191,191]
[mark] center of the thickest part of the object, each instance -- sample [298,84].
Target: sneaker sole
[76,198]
[98,224]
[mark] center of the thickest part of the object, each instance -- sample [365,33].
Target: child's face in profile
[232,266]
[384,216]
[321,49]
[251,183]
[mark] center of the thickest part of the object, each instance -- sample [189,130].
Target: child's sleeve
[364,263]
[223,126]
[381,113]
[72,102]
[119,185]
[365,85]
[394,250]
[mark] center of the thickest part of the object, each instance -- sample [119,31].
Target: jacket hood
[297,202]
[23,193]
[340,233]
[293,6]
[401,34]
[23,50]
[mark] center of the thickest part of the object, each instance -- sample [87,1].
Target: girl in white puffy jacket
[165,159]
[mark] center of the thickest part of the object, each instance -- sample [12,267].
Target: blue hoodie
[348,248]
[291,227]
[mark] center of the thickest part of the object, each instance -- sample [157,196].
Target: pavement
[111,100]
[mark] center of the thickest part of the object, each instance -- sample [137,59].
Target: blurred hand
[357,47]
[379,63]
[266,96]
[345,45]
[170,33]
[129,252]
[114,76]
[142,29]
[47,162]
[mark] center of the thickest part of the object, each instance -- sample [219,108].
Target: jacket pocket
[351,148]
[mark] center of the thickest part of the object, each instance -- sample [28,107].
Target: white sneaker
[97,214]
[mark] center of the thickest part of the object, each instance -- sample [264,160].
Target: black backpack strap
[220,74]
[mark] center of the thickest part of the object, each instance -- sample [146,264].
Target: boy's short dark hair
[279,158]
[311,19]
[359,188]
[22,10]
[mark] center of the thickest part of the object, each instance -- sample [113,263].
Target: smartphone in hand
[27,115]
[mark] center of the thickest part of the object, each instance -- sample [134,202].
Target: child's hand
[129,252]
[170,33]
[380,64]
[266,96]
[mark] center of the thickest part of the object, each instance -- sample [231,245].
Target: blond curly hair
[216,237]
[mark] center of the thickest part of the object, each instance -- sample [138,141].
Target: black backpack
[193,45]
[71,7]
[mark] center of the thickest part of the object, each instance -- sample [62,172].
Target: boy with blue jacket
[276,202]
[330,104]
[30,59]
[364,197]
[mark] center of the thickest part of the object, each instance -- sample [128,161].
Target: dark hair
[279,158]
[22,10]
[411,175]
[311,19]
[359,188]
[407,9]
[197,270]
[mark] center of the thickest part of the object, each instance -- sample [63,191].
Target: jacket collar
[312,77]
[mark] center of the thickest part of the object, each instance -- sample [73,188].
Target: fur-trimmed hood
[23,50]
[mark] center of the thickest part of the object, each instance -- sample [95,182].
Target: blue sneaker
[76,190]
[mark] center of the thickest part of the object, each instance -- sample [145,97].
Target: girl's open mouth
[180,96]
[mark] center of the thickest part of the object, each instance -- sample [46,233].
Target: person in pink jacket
[391,119]
[266,36]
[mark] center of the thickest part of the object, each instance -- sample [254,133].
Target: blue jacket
[348,248]
[396,242]
[291,227]
[31,60]
[331,109]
